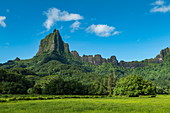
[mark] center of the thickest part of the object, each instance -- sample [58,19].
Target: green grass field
[160,104]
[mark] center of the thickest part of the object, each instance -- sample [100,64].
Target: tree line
[13,82]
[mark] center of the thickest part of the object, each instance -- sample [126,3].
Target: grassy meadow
[159,104]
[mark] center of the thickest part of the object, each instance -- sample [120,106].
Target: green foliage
[11,83]
[12,88]
[14,97]
[61,87]
[134,86]
[41,69]
[22,71]
[37,89]
[158,73]
[85,104]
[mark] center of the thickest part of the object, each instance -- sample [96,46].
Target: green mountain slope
[54,59]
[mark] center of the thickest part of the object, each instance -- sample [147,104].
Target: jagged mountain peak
[55,30]
[53,43]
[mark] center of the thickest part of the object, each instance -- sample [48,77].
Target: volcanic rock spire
[53,43]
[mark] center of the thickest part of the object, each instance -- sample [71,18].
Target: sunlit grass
[160,104]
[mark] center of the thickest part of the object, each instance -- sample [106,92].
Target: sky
[129,29]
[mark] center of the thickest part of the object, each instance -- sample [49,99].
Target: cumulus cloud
[75,26]
[160,6]
[2,23]
[55,15]
[102,30]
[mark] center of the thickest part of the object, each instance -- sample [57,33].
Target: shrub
[133,86]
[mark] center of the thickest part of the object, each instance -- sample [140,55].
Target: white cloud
[75,26]
[160,6]
[116,32]
[54,15]
[102,30]
[158,2]
[2,23]
[162,9]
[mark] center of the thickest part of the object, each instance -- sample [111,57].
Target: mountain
[52,47]
[160,57]
[96,59]
[53,43]
[54,59]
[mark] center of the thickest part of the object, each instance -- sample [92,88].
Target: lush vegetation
[18,97]
[55,73]
[133,86]
[55,70]
[46,75]
[160,104]
[12,83]
[51,73]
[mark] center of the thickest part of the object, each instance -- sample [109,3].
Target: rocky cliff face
[164,52]
[75,54]
[17,59]
[133,64]
[113,60]
[53,43]
[160,57]
[96,59]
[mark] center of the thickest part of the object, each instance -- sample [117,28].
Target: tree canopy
[134,86]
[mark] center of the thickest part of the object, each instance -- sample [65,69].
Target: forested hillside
[55,67]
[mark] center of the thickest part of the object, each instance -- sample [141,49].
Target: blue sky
[128,29]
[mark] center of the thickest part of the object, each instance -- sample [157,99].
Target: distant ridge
[53,43]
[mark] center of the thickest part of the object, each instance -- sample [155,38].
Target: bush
[60,87]
[133,86]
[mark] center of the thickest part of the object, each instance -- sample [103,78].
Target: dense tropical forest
[57,71]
